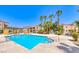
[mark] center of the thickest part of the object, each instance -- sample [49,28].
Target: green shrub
[75,35]
[58,32]
[41,31]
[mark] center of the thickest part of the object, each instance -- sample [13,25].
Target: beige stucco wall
[6,31]
[69,27]
[25,31]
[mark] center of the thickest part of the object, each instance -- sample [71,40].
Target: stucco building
[3,27]
[32,29]
[68,27]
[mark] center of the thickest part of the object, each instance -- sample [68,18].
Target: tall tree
[51,16]
[58,13]
[48,26]
[41,19]
[44,17]
[77,24]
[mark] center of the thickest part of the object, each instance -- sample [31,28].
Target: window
[66,30]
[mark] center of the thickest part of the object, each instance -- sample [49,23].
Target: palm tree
[51,16]
[41,19]
[77,24]
[58,13]
[47,26]
[44,17]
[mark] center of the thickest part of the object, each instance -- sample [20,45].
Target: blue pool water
[30,41]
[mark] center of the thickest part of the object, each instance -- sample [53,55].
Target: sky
[29,15]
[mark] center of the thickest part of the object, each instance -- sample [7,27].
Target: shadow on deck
[68,49]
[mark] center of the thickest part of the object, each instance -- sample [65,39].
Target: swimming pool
[30,41]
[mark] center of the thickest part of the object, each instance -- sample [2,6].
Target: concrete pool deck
[64,46]
[11,47]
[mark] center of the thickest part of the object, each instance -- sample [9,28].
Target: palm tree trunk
[44,19]
[58,23]
[41,25]
[51,19]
